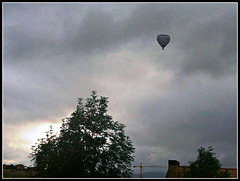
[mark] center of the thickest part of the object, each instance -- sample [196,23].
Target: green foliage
[206,166]
[90,144]
[223,174]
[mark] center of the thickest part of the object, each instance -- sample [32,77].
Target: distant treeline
[17,167]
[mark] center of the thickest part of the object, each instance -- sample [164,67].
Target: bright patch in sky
[34,132]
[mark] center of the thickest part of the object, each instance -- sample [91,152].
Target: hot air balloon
[163,40]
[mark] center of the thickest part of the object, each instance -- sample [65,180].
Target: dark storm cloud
[208,45]
[100,30]
[43,30]
[36,30]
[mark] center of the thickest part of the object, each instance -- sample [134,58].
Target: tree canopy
[90,144]
[206,165]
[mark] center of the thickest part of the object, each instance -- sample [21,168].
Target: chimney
[173,169]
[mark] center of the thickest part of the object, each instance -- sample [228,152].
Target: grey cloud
[189,119]
[16,156]
[36,91]
[85,32]
[211,47]
[34,31]
[97,30]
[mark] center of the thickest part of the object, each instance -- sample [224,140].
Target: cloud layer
[171,101]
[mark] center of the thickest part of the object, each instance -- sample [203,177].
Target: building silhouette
[176,171]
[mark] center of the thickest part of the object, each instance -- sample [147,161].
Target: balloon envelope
[163,40]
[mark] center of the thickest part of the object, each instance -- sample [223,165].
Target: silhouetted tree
[206,166]
[90,144]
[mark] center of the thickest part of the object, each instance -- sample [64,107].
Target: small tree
[90,144]
[206,166]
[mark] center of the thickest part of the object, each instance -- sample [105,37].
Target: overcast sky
[172,101]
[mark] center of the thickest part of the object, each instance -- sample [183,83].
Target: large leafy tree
[90,144]
[206,165]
